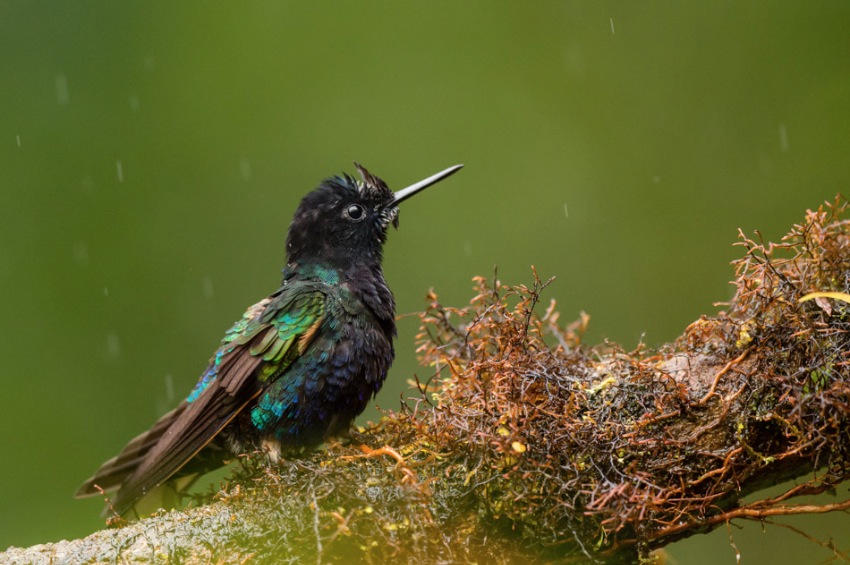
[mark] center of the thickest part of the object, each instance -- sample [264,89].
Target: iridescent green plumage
[298,366]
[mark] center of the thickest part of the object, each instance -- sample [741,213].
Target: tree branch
[527,444]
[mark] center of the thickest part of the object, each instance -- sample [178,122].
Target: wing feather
[264,344]
[260,345]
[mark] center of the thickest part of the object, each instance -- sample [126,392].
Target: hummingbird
[299,365]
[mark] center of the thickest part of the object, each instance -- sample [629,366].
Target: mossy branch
[527,444]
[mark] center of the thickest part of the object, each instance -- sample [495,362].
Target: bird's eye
[354,213]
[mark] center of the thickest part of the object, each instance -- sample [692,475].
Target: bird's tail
[113,473]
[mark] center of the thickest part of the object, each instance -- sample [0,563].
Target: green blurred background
[152,154]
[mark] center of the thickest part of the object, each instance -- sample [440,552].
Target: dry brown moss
[608,453]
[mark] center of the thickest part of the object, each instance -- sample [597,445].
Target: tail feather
[115,471]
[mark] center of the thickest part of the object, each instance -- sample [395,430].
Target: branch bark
[527,444]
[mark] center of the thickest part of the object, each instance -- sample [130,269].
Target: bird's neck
[310,270]
[364,279]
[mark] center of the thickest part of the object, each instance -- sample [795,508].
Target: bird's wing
[262,345]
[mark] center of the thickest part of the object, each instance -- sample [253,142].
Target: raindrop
[245,169]
[119,168]
[612,25]
[81,254]
[575,59]
[169,388]
[467,248]
[566,211]
[18,139]
[208,288]
[62,90]
[106,292]
[87,184]
[113,345]
[783,138]
[134,103]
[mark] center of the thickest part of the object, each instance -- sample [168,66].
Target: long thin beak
[406,193]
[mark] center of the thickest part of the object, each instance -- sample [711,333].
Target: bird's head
[345,221]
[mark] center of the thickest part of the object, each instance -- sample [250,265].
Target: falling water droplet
[113,344]
[245,169]
[209,292]
[119,168]
[169,388]
[783,138]
[62,90]
[81,254]
[87,184]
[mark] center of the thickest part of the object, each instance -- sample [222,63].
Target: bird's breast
[328,385]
